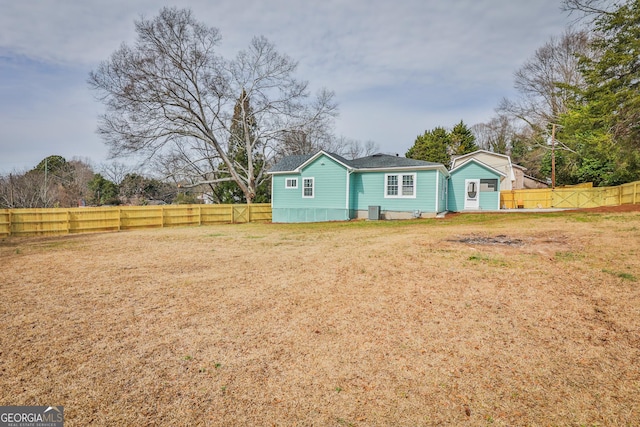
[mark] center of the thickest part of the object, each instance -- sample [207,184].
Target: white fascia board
[318,154]
[283,172]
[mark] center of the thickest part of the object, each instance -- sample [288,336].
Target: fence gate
[240,213]
[576,198]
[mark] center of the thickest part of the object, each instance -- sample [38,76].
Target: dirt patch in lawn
[500,320]
[500,239]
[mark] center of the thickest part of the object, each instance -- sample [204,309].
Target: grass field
[491,319]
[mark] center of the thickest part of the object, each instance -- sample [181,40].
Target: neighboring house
[327,187]
[513,178]
[500,162]
[525,181]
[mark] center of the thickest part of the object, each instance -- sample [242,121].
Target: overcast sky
[397,68]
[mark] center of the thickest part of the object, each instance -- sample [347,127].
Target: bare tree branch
[172,90]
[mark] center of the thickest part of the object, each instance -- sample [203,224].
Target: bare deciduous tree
[27,190]
[588,7]
[496,135]
[544,82]
[115,171]
[171,92]
[353,149]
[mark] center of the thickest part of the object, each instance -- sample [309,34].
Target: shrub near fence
[27,222]
[571,197]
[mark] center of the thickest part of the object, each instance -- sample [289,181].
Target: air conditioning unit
[374,213]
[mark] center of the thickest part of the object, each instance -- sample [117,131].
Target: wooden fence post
[619,195]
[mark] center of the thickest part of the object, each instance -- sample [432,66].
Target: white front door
[472,194]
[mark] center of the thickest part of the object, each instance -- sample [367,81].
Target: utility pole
[11,191]
[553,156]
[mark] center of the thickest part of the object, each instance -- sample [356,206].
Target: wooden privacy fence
[571,197]
[26,222]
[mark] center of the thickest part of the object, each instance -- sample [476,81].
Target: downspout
[349,172]
[437,191]
[446,198]
[272,196]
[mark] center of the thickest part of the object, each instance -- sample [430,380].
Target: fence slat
[25,222]
[574,197]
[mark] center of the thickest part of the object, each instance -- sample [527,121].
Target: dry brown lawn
[492,319]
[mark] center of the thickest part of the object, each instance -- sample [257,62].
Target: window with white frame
[291,183]
[400,185]
[488,185]
[307,187]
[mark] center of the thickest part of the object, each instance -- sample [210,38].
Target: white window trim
[291,187]
[489,179]
[399,195]
[313,187]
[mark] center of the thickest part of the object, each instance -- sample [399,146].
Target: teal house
[327,187]
[474,186]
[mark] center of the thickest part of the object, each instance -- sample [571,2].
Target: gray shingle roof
[376,161]
[383,161]
[290,163]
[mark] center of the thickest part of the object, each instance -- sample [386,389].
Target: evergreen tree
[135,188]
[54,165]
[462,140]
[432,146]
[602,129]
[102,191]
[612,77]
[242,135]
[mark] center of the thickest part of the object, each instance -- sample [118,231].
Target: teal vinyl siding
[308,215]
[344,189]
[472,170]
[368,189]
[330,184]
[286,197]
[329,201]
[443,188]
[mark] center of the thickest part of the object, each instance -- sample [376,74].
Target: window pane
[488,185]
[292,183]
[407,185]
[308,188]
[392,185]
